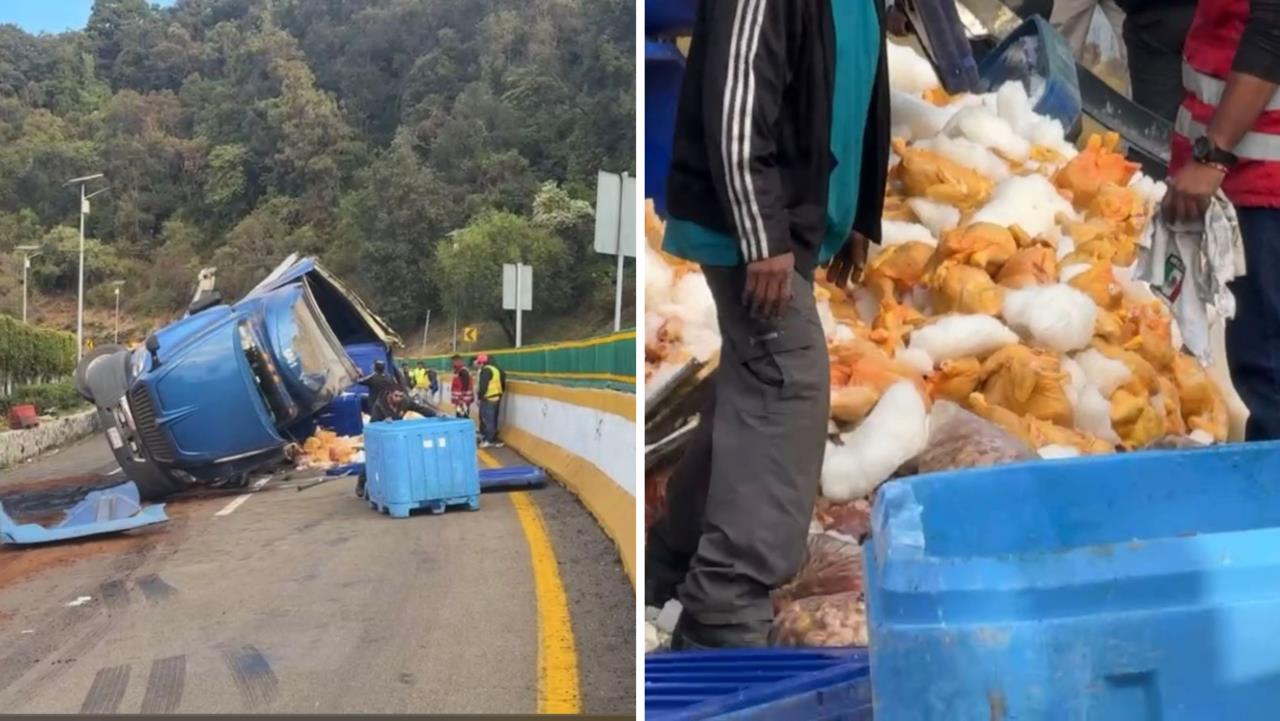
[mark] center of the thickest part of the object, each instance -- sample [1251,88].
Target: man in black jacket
[778,167]
[1154,31]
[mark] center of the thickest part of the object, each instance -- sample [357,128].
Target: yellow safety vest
[495,384]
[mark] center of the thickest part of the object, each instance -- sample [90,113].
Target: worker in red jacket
[463,392]
[1227,136]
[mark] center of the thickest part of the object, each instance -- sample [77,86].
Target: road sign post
[616,226]
[517,293]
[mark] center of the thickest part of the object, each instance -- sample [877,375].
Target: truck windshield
[270,384]
[312,353]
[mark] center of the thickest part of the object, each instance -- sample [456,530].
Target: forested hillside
[414,145]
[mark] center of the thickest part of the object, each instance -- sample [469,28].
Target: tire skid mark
[256,682]
[154,588]
[60,625]
[20,661]
[165,685]
[61,663]
[107,690]
[114,594]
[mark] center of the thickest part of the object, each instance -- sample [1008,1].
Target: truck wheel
[82,370]
[155,485]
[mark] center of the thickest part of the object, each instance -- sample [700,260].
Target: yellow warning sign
[88,344]
[470,334]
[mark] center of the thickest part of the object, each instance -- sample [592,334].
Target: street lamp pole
[27,255]
[84,210]
[117,285]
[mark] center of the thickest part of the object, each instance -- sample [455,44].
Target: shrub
[46,397]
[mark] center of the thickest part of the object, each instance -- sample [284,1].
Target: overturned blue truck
[224,391]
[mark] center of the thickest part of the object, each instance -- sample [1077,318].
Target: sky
[50,16]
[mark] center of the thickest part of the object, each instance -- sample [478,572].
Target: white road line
[238,501]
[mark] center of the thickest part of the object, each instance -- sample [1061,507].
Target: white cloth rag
[1189,266]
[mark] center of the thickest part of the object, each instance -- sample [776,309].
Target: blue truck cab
[226,389]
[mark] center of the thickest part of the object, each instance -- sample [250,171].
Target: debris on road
[325,449]
[79,601]
[109,510]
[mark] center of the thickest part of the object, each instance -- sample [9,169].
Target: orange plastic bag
[926,174]
[1028,382]
[1084,176]
[897,268]
[983,245]
[965,289]
[1033,265]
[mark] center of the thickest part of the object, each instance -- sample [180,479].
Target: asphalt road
[306,602]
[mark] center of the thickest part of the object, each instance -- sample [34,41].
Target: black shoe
[691,635]
[360,488]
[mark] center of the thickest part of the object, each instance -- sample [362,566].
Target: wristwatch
[1203,151]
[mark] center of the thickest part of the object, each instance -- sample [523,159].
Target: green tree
[471,261]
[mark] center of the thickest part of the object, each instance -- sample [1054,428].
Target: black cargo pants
[740,500]
[1153,38]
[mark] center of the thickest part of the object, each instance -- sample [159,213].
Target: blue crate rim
[847,665]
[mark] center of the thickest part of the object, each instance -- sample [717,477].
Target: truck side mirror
[153,347]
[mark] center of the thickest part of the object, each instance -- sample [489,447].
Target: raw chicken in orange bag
[1203,406]
[1032,265]
[894,323]
[964,289]
[1028,382]
[1121,206]
[983,245]
[926,174]
[1135,418]
[1100,284]
[955,379]
[1046,433]
[1097,165]
[1148,332]
[897,268]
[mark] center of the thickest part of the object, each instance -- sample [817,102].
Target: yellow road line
[557,653]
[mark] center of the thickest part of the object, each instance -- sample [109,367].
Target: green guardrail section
[603,362]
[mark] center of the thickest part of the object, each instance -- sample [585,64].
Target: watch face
[1200,149]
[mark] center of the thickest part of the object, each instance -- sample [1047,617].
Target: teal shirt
[857,31]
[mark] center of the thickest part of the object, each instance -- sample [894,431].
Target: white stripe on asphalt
[238,501]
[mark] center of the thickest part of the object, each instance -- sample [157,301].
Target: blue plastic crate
[421,464]
[775,684]
[1053,61]
[342,416]
[669,17]
[663,74]
[1135,586]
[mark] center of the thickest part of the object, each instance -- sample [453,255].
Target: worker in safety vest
[1227,136]
[489,388]
[462,393]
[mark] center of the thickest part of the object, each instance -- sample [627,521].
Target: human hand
[897,21]
[1190,191]
[848,263]
[768,288]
